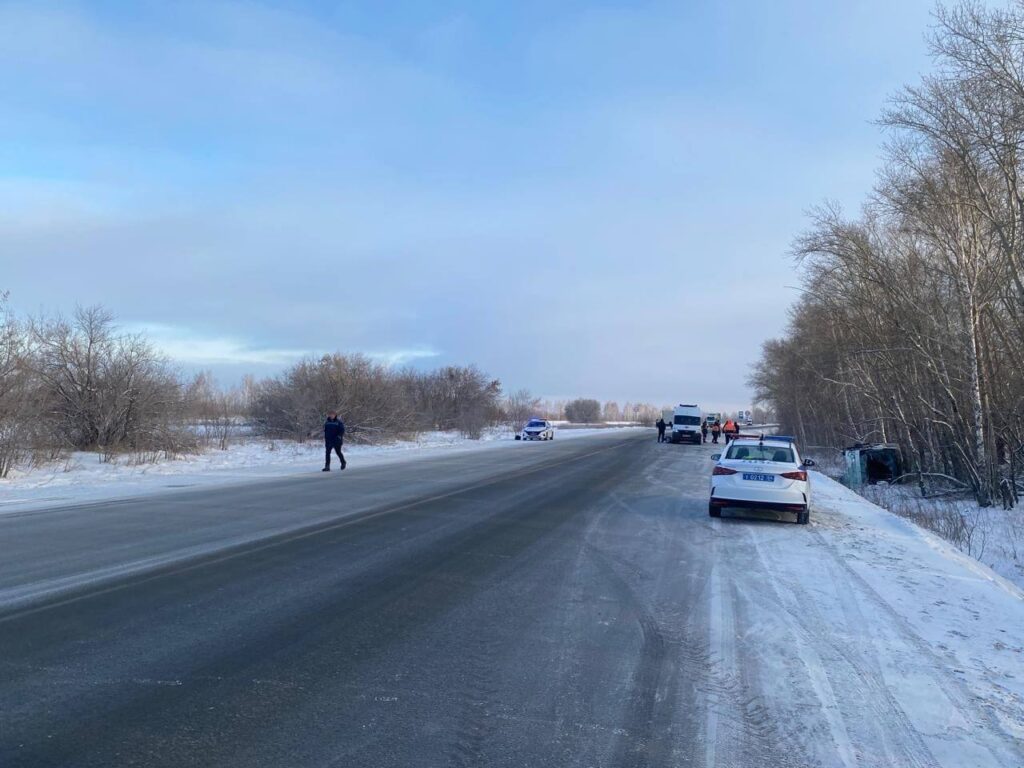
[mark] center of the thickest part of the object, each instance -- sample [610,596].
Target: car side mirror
[716,456]
[808,462]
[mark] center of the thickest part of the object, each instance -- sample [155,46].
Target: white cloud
[403,356]
[183,346]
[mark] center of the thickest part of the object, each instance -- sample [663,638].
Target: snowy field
[83,477]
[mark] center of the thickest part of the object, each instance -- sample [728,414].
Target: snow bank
[970,615]
[991,535]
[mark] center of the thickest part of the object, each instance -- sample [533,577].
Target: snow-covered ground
[83,477]
[925,589]
[991,535]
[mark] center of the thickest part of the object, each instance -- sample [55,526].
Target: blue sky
[570,195]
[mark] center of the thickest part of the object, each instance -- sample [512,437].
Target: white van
[686,424]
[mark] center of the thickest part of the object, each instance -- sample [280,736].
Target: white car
[765,473]
[538,429]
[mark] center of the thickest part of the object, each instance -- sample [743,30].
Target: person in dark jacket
[660,424]
[703,431]
[334,436]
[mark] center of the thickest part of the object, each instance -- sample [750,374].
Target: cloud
[192,349]
[184,346]
[403,356]
[592,199]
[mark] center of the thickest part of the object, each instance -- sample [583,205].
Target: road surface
[544,604]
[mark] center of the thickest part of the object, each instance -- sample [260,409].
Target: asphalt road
[540,605]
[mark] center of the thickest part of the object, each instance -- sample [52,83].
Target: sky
[582,198]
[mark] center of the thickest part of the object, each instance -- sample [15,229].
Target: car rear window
[777,453]
[688,420]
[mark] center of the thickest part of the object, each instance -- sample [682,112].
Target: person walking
[716,430]
[660,424]
[703,431]
[728,429]
[334,437]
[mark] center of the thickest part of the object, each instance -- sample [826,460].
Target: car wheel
[803,518]
[714,511]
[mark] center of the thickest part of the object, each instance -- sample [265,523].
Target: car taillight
[723,471]
[798,475]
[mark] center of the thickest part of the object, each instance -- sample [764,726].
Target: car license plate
[757,476]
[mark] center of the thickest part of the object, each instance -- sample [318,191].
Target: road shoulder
[964,613]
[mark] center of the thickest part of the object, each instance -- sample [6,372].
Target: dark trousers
[337,449]
[703,437]
[661,435]
[714,437]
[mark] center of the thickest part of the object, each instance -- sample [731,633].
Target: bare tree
[376,401]
[519,407]
[16,401]
[216,413]
[611,411]
[104,390]
[583,411]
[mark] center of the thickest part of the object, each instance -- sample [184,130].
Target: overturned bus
[870,464]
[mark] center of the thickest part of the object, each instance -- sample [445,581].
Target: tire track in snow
[638,744]
[837,664]
[769,603]
[653,723]
[981,719]
[739,727]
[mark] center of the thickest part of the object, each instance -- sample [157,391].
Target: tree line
[376,400]
[81,383]
[910,328]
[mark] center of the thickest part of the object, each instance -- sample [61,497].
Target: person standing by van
[660,424]
[704,431]
[716,430]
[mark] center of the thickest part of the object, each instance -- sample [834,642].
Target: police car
[538,429]
[763,472]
